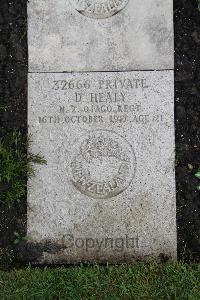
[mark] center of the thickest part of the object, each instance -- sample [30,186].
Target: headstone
[101,111]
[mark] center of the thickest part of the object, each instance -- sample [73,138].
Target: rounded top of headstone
[99,9]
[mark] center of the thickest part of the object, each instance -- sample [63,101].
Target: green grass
[16,165]
[140,281]
[198,3]
[197,175]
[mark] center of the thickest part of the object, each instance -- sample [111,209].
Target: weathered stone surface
[107,192]
[69,36]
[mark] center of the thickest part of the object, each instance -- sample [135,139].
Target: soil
[13,109]
[187,117]
[13,115]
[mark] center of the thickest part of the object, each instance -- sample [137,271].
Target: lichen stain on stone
[47,253]
[33,252]
[160,35]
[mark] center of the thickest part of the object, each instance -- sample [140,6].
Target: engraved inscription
[103,165]
[99,9]
[92,101]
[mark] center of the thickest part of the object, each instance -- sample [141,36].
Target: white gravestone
[107,193]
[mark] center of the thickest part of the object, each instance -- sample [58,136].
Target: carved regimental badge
[103,165]
[99,9]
